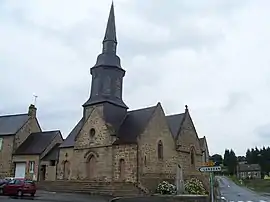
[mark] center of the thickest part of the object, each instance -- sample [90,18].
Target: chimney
[32,111]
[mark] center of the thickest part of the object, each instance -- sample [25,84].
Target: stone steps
[101,188]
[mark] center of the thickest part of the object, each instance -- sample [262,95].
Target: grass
[258,185]
[236,180]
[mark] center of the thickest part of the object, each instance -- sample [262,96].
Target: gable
[188,136]
[95,122]
[10,124]
[203,144]
[53,154]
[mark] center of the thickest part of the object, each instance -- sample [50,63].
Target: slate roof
[53,154]
[10,124]
[249,167]
[134,124]
[69,141]
[175,122]
[36,143]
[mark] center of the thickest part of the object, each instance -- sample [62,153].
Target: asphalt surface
[231,192]
[56,197]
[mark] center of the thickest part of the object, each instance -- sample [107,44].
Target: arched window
[145,160]
[192,160]
[160,150]
[92,132]
[122,169]
[91,166]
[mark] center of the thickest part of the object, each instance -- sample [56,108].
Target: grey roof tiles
[36,143]
[10,124]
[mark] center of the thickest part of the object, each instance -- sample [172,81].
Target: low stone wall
[179,198]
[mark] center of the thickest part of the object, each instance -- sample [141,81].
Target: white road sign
[210,169]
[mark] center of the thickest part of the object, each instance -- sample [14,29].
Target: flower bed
[166,188]
[195,186]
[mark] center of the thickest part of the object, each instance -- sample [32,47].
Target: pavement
[45,196]
[232,192]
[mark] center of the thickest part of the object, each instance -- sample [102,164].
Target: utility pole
[212,186]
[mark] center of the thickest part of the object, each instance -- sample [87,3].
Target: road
[56,197]
[234,193]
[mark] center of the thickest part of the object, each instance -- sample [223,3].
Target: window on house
[160,150]
[31,166]
[1,143]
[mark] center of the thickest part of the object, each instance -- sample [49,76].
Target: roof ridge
[49,131]
[8,115]
[175,114]
[143,108]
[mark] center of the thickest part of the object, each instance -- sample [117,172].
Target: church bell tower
[107,76]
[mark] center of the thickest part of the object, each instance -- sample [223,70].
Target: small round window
[92,132]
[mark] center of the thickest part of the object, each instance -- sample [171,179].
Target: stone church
[113,144]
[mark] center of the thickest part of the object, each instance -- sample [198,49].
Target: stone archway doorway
[66,169]
[91,167]
[179,180]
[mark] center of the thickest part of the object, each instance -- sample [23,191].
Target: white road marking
[244,201]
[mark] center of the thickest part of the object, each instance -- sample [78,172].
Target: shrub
[195,186]
[166,188]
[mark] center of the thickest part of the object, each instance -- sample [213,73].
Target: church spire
[110,34]
[108,56]
[107,73]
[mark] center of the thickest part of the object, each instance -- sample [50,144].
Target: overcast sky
[211,55]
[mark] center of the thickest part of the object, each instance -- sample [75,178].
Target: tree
[232,162]
[217,158]
[226,157]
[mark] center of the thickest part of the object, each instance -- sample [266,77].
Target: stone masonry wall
[152,169]
[188,139]
[103,167]
[65,154]
[6,156]
[11,143]
[129,154]
[102,136]
[27,159]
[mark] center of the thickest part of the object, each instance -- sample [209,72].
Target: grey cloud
[204,54]
[237,100]
[263,132]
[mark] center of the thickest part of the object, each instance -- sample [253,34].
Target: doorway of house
[43,172]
